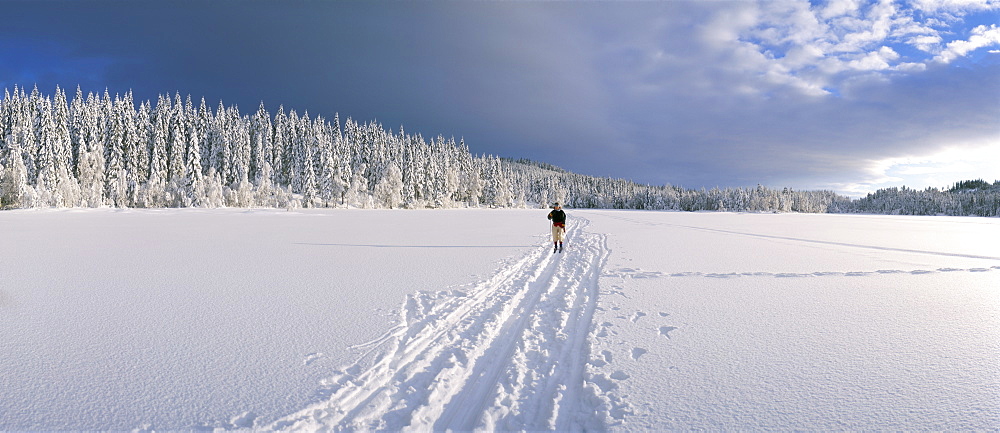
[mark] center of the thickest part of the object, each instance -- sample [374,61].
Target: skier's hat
[555,205]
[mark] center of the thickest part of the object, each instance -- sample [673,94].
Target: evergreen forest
[96,150]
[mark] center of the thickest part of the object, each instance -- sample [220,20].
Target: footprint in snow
[603,382]
[604,329]
[620,375]
[243,421]
[665,330]
[604,360]
[637,352]
[311,358]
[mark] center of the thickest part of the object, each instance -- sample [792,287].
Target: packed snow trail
[510,353]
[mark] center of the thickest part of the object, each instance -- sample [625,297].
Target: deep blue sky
[844,95]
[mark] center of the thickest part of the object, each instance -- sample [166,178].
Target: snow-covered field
[465,319]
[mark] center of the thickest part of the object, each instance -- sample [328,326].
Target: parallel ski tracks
[510,353]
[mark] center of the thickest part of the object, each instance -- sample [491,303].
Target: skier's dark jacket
[558,216]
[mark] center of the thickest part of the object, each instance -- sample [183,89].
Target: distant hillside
[966,198]
[975,185]
[536,164]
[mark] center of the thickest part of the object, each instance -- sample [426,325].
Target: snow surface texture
[465,319]
[801,322]
[172,319]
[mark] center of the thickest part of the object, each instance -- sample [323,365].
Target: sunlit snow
[465,319]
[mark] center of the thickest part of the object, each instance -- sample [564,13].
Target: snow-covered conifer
[192,165]
[241,154]
[214,191]
[266,195]
[116,182]
[357,193]
[261,136]
[330,184]
[178,184]
[389,189]
[14,187]
[279,145]
[297,150]
[155,190]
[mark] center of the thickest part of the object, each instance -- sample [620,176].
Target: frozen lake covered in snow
[465,319]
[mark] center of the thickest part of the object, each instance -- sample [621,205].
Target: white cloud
[982,36]
[926,43]
[875,60]
[836,8]
[938,169]
[954,5]
[875,28]
[814,47]
[910,67]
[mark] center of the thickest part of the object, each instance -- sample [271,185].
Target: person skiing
[558,218]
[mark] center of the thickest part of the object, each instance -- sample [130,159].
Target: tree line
[96,150]
[966,198]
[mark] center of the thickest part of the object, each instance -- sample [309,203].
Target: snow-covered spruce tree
[241,152]
[330,184]
[279,145]
[14,188]
[155,189]
[134,141]
[116,186]
[193,170]
[297,151]
[266,195]
[358,194]
[203,124]
[310,185]
[389,189]
[45,158]
[139,156]
[496,184]
[261,136]
[442,177]
[341,156]
[411,163]
[217,141]
[214,190]
[30,137]
[67,188]
[470,180]
[178,184]
[90,167]
[239,189]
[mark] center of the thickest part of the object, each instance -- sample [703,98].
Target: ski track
[511,353]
